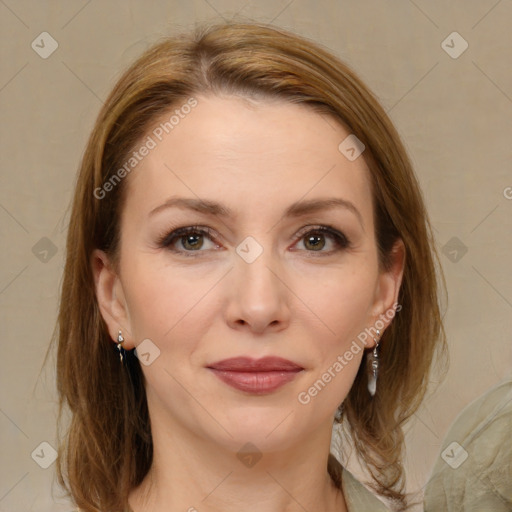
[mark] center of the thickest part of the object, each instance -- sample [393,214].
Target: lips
[247,364]
[256,376]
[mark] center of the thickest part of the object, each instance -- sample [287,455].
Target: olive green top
[357,497]
[474,470]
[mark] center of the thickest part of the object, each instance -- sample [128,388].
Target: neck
[189,474]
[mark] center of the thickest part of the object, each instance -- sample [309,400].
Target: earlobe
[110,297]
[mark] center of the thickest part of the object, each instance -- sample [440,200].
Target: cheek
[165,303]
[342,307]
[341,301]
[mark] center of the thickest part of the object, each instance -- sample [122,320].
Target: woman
[249,259]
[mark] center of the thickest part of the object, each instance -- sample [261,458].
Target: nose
[258,296]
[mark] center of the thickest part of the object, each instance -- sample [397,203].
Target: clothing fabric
[358,498]
[474,471]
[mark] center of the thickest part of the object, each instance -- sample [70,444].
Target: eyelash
[168,239]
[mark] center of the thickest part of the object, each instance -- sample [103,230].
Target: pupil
[319,243]
[192,240]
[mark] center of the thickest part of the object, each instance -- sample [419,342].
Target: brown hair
[106,450]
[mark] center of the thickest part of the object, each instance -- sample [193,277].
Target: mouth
[256,376]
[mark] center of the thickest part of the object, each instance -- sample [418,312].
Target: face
[260,272]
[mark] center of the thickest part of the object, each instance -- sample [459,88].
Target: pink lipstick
[256,376]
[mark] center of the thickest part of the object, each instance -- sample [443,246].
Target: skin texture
[298,301]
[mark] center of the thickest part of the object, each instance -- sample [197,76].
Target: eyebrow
[297,209]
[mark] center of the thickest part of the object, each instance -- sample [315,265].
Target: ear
[389,281]
[111,299]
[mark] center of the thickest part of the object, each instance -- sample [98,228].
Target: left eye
[192,239]
[315,239]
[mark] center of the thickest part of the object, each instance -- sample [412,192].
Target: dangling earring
[339,413]
[374,366]
[120,341]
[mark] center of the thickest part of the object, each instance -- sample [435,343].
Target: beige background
[454,115]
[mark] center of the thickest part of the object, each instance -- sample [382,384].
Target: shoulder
[477,447]
[357,497]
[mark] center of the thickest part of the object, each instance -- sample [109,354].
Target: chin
[266,428]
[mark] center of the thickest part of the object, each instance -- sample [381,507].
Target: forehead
[252,153]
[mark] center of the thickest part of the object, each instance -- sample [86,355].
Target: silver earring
[120,341]
[374,366]
[339,413]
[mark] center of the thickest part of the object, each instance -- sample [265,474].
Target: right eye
[191,239]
